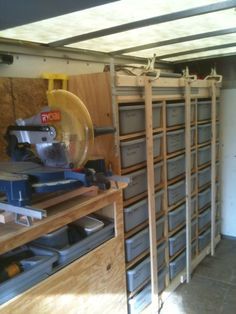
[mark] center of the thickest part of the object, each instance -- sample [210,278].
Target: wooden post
[151,194]
[188,175]
[115,113]
[165,179]
[213,165]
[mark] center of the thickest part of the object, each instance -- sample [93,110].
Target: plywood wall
[95,91]
[19,98]
[24,97]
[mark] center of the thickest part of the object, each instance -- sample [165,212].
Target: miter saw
[62,135]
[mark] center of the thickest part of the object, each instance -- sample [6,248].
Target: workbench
[94,283]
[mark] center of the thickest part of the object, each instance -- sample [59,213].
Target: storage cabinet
[76,287]
[126,104]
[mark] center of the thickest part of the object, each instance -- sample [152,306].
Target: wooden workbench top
[13,235]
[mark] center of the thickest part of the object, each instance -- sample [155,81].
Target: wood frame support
[188,174]
[213,166]
[151,193]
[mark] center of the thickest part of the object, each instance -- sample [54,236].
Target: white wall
[228,161]
[34,66]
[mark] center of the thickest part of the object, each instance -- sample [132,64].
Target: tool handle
[104,130]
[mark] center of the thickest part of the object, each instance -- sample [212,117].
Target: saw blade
[74,131]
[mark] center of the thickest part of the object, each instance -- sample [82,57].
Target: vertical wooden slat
[213,165]
[165,179]
[188,175]
[151,193]
[196,168]
[115,113]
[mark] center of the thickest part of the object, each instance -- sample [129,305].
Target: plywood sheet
[6,102]
[29,96]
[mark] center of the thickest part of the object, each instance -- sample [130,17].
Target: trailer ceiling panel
[162,38]
[185,46]
[157,33]
[212,53]
[101,17]
[15,13]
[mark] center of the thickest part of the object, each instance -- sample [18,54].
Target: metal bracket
[24,215]
[23,220]
[187,76]
[214,76]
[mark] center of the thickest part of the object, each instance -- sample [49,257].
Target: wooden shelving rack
[111,91]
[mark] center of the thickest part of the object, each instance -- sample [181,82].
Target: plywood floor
[213,286]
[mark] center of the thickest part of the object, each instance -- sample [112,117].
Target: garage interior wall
[226,67]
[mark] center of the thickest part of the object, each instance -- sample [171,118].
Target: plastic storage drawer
[176,217]
[132,118]
[160,228]
[177,242]
[177,265]
[31,276]
[143,298]
[141,272]
[138,212]
[175,141]
[138,243]
[193,160]
[204,176]
[204,218]
[71,252]
[175,114]
[57,239]
[204,133]
[193,228]
[158,172]
[137,275]
[194,247]
[134,152]
[175,166]
[204,198]
[204,239]
[137,185]
[204,155]
[161,254]
[194,205]
[193,132]
[138,182]
[176,192]
[203,110]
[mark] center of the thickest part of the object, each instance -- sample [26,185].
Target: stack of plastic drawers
[176,186]
[177,244]
[133,156]
[204,173]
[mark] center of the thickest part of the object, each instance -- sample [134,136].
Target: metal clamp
[214,76]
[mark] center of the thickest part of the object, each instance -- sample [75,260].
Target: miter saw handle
[103,130]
